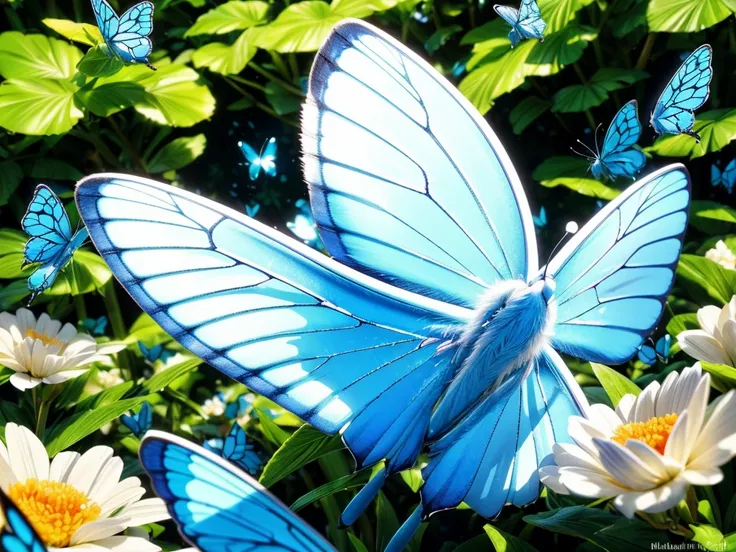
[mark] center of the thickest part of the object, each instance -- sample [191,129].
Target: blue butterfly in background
[95,326]
[52,243]
[618,157]
[686,92]
[236,449]
[264,161]
[303,225]
[126,37]
[139,423]
[239,407]
[157,352]
[540,221]
[16,533]
[432,325]
[526,22]
[252,209]
[219,507]
[726,179]
[649,353]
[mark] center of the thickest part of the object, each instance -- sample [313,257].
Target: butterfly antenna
[570,228]
[582,154]
[595,135]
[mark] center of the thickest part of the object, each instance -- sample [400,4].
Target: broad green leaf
[357,543]
[615,79]
[681,322]
[11,176]
[724,375]
[350,481]
[226,59]
[98,62]
[13,293]
[413,478]
[527,111]
[172,373]
[631,15]
[305,445]
[709,537]
[615,384]
[39,106]
[605,529]
[706,278]
[178,153]
[270,429]
[105,397]
[76,427]
[440,37]
[687,16]
[36,56]
[282,101]
[559,50]
[146,329]
[712,218]
[558,13]
[580,97]
[85,273]
[572,172]
[107,99]
[361,8]
[230,16]
[12,244]
[717,129]
[48,168]
[596,395]
[84,33]
[505,542]
[386,521]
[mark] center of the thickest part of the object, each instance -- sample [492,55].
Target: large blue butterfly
[264,161]
[215,504]
[236,449]
[16,533]
[126,36]
[686,92]
[433,321]
[618,157]
[526,22]
[726,179]
[52,243]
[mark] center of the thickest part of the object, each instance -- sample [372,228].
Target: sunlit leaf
[616,385]
[717,129]
[84,33]
[505,542]
[706,279]
[558,13]
[712,218]
[572,172]
[687,16]
[36,56]
[11,176]
[226,59]
[178,153]
[98,62]
[350,481]
[85,273]
[12,243]
[580,97]
[38,106]
[230,16]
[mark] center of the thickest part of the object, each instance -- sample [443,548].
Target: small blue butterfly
[95,326]
[649,353]
[526,22]
[252,209]
[264,161]
[303,225]
[618,157]
[139,423]
[236,449]
[157,352]
[52,243]
[127,36]
[540,221]
[727,178]
[688,89]
[239,407]
[16,533]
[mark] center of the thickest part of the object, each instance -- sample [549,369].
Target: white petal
[702,346]
[97,530]
[86,471]
[25,319]
[716,443]
[150,510]
[625,407]
[550,477]
[588,483]
[644,407]
[67,333]
[625,467]
[107,479]
[677,445]
[708,318]
[728,339]
[570,455]
[60,377]
[582,432]
[603,418]
[7,476]
[23,382]
[125,492]
[705,476]
[110,348]
[655,500]
[121,544]
[662,467]
[62,465]
[28,457]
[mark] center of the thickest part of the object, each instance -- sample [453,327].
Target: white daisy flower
[715,342]
[722,255]
[44,351]
[76,502]
[649,450]
[214,406]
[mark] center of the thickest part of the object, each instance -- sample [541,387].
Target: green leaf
[270,429]
[98,62]
[357,543]
[85,273]
[615,384]
[682,322]
[558,13]
[709,537]
[12,244]
[687,16]
[105,397]
[13,293]
[178,153]
[717,129]
[440,37]
[48,168]
[725,375]
[226,59]
[572,172]
[505,542]
[386,522]
[107,99]
[230,16]
[413,478]
[84,33]
[604,529]
[305,445]
[704,276]
[527,111]
[11,176]
[38,107]
[712,218]
[580,97]
[282,101]
[350,481]
[29,57]
[172,373]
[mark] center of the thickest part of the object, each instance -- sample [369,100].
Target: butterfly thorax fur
[511,324]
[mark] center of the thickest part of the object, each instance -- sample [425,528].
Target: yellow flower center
[56,510]
[43,338]
[654,432]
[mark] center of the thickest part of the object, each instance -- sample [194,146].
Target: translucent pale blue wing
[626,163]
[132,48]
[254,169]
[322,340]
[46,274]
[270,150]
[407,181]
[531,24]
[509,14]
[624,131]
[107,19]
[686,92]
[249,153]
[715,175]
[663,346]
[729,176]
[614,275]
[48,225]
[16,533]
[492,457]
[137,20]
[216,506]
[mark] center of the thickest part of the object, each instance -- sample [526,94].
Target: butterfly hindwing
[617,156]
[126,36]
[219,507]
[16,533]
[526,22]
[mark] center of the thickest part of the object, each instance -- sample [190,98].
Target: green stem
[119,331]
[247,82]
[100,146]
[153,144]
[294,65]
[273,78]
[260,105]
[42,413]
[180,397]
[132,152]
[80,307]
[646,51]
[278,61]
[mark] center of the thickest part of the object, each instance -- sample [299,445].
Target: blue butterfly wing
[339,349]
[131,422]
[138,20]
[45,275]
[647,355]
[729,176]
[715,176]
[623,133]
[686,92]
[508,14]
[218,507]
[16,533]
[145,417]
[249,153]
[407,182]
[131,42]
[627,163]
[237,449]
[531,24]
[48,225]
[107,19]
[622,262]
[663,346]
